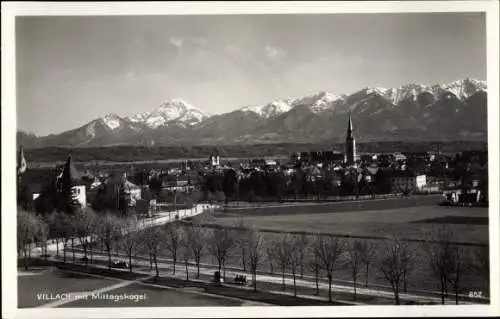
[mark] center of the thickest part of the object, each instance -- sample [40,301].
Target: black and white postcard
[224,159]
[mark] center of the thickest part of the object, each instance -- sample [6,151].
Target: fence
[262,201]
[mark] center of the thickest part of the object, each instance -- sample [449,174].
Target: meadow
[412,222]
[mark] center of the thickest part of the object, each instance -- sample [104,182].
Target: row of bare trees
[394,260]
[291,254]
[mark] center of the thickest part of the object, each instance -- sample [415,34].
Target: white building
[407,181]
[79,194]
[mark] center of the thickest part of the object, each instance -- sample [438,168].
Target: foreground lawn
[50,280]
[155,297]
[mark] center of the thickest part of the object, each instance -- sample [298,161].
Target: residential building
[404,181]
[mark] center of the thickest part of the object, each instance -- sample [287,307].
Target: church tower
[350,145]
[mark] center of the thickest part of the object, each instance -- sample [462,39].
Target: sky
[73,69]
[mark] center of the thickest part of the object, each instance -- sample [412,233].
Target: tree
[155,185]
[295,254]
[185,245]
[382,182]
[172,241]
[197,237]
[254,254]
[66,231]
[328,250]
[354,253]
[271,256]
[367,253]
[461,266]
[241,241]
[27,227]
[302,245]
[64,188]
[440,257]
[482,263]
[276,184]
[222,240]
[107,232]
[394,259]
[220,196]
[229,184]
[130,238]
[315,264]
[84,226]
[43,234]
[282,254]
[53,221]
[152,237]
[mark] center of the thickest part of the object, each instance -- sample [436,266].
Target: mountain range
[412,112]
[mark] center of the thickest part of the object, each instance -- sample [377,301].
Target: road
[165,266]
[162,218]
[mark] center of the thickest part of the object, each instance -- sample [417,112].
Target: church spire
[349,125]
[350,144]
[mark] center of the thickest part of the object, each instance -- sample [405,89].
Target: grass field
[470,224]
[410,218]
[155,297]
[50,280]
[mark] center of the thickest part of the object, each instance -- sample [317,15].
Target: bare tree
[461,266]
[254,243]
[271,256]
[295,259]
[354,262]
[53,221]
[282,254]
[66,231]
[152,237]
[482,264]
[393,261]
[130,238]
[43,235]
[222,240]
[27,227]
[328,250]
[185,247]
[315,263]
[302,243]
[409,267]
[84,223]
[95,224]
[367,253]
[172,241]
[439,252]
[107,233]
[197,237]
[241,241]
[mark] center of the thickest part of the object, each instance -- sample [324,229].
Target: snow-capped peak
[138,117]
[318,102]
[111,120]
[177,110]
[269,110]
[376,90]
[408,91]
[465,88]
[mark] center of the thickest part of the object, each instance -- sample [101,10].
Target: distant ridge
[411,112]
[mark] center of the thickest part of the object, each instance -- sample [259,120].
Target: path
[162,218]
[139,281]
[277,279]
